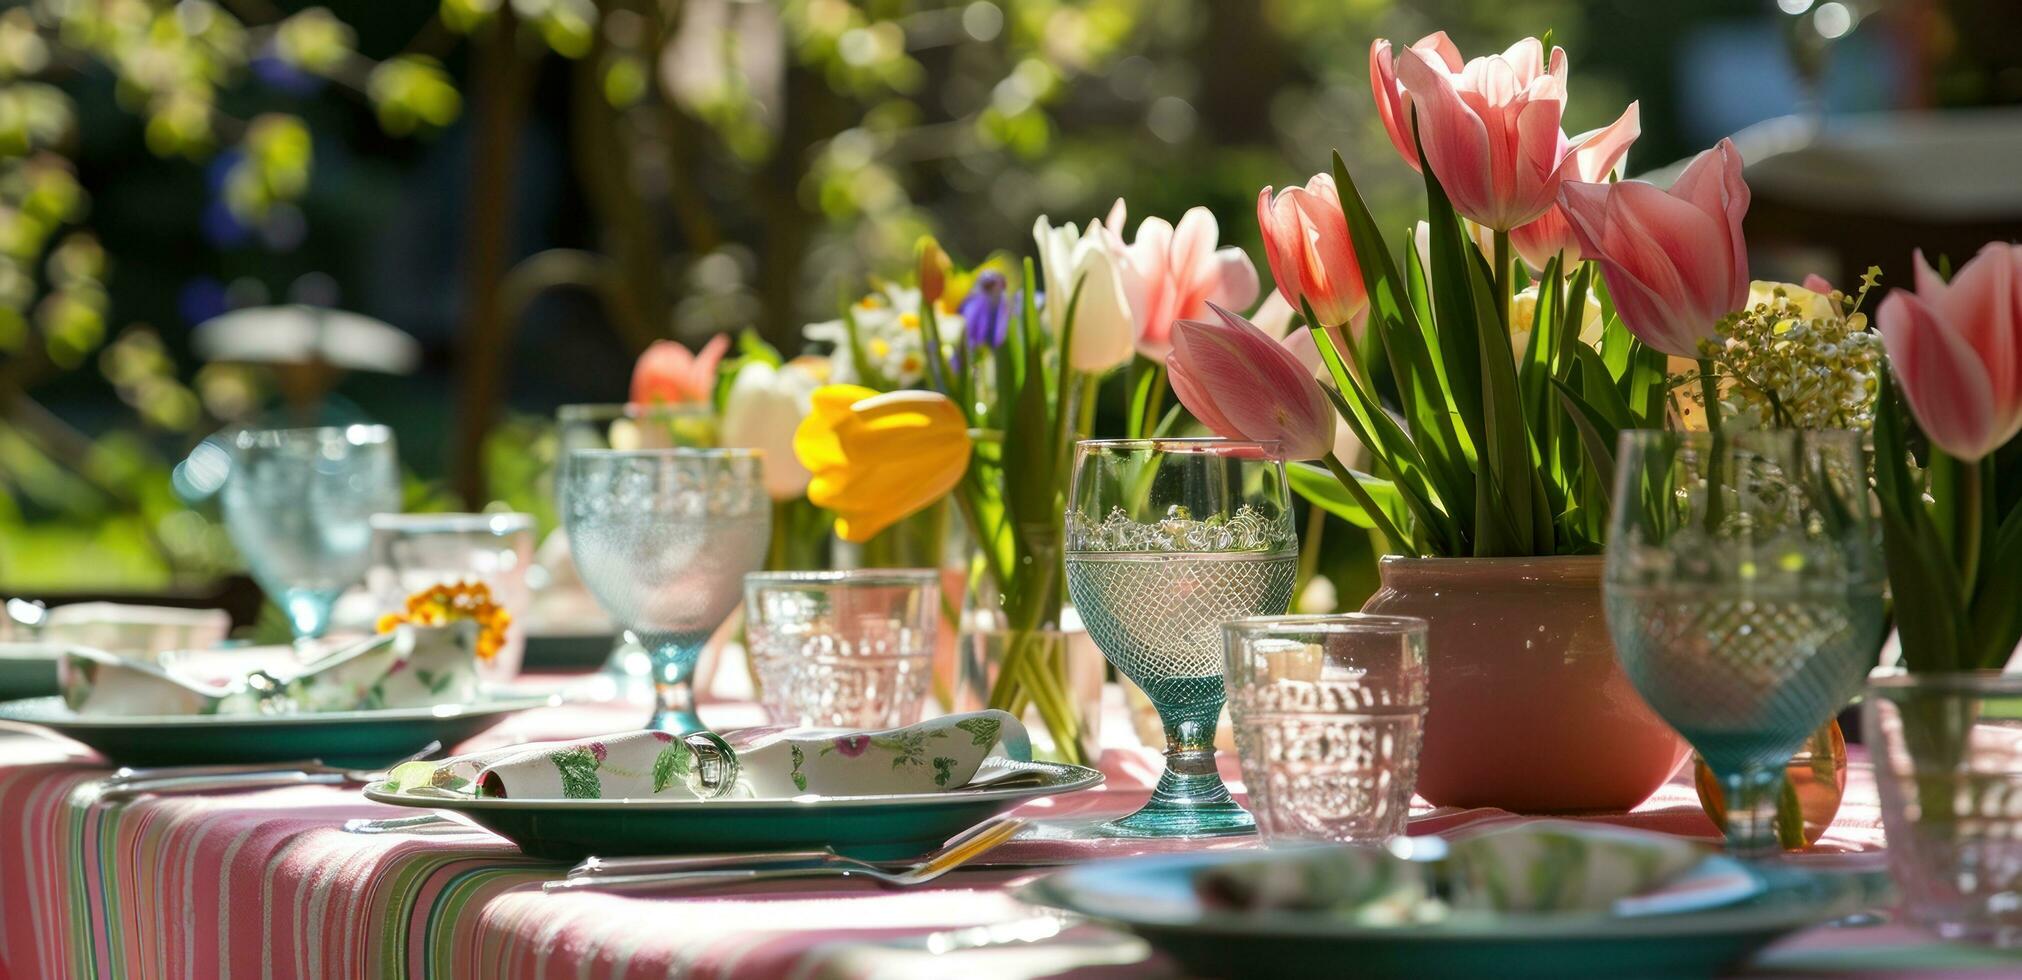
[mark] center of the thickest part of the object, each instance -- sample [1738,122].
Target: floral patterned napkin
[753,763]
[413,666]
[1547,866]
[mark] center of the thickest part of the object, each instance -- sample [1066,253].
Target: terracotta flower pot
[1529,711]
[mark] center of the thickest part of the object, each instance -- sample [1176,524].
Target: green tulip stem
[1709,392]
[1503,279]
[1154,403]
[1971,514]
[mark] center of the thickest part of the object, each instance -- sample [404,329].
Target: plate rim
[1745,919]
[1085,778]
[10,712]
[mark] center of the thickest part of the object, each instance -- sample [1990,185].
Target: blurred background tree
[536,189]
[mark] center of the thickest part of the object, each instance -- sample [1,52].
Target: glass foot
[1222,819]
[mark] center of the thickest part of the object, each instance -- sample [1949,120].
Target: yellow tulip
[878,457]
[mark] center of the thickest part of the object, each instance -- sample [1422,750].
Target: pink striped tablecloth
[268,883]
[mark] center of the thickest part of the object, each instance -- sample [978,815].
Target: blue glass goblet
[663,538]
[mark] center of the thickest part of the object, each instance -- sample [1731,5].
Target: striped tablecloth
[269,884]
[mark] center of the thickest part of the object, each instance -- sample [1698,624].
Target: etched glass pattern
[843,649]
[1194,533]
[1744,592]
[1329,714]
[663,540]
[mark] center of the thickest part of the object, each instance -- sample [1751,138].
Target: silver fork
[160,781]
[702,870]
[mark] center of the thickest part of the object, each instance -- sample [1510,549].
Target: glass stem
[674,691]
[1751,796]
[1190,778]
[308,613]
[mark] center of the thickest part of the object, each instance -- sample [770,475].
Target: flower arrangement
[449,602]
[1946,471]
[1480,453]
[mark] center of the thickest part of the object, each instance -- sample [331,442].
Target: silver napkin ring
[715,766]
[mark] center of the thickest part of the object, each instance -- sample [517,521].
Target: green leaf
[1928,600]
[1996,615]
[1389,445]
[672,763]
[1402,333]
[578,768]
[1596,435]
[1323,490]
[1461,351]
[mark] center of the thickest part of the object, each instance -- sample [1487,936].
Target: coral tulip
[1103,329]
[1393,102]
[877,458]
[1490,129]
[1243,385]
[1600,154]
[1306,242]
[1675,261]
[763,409]
[1171,274]
[669,373]
[1956,352]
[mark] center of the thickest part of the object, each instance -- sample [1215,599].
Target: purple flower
[852,746]
[986,311]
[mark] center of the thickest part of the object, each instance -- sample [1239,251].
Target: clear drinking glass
[412,552]
[1744,592]
[624,426]
[663,538]
[298,505]
[1947,752]
[1167,539]
[848,649]
[1329,712]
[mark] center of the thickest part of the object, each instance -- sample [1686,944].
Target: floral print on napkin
[755,763]
[413,667]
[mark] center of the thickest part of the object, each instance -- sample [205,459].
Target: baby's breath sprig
[1797,359]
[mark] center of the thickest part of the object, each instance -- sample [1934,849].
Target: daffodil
[877,458]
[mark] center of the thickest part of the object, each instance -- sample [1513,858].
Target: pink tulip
[1600,153]
[1490,129]
[1306,242]
[1242,384]
[1956,352]
[668,373]
[1393,103]
[1817,284]
[1674,260]
[1171,274]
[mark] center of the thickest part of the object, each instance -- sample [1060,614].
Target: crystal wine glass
[620,425]
[1167,539]
[298,504]
[1744,593]
[663,539]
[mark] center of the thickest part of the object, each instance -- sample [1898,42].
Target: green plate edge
[340,738]
[875,828]
[1696,944]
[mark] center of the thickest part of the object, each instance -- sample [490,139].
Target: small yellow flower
[439,605]
[877,458]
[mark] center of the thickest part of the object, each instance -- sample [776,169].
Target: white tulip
[764,407]
[1523,311]
[1104,334]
